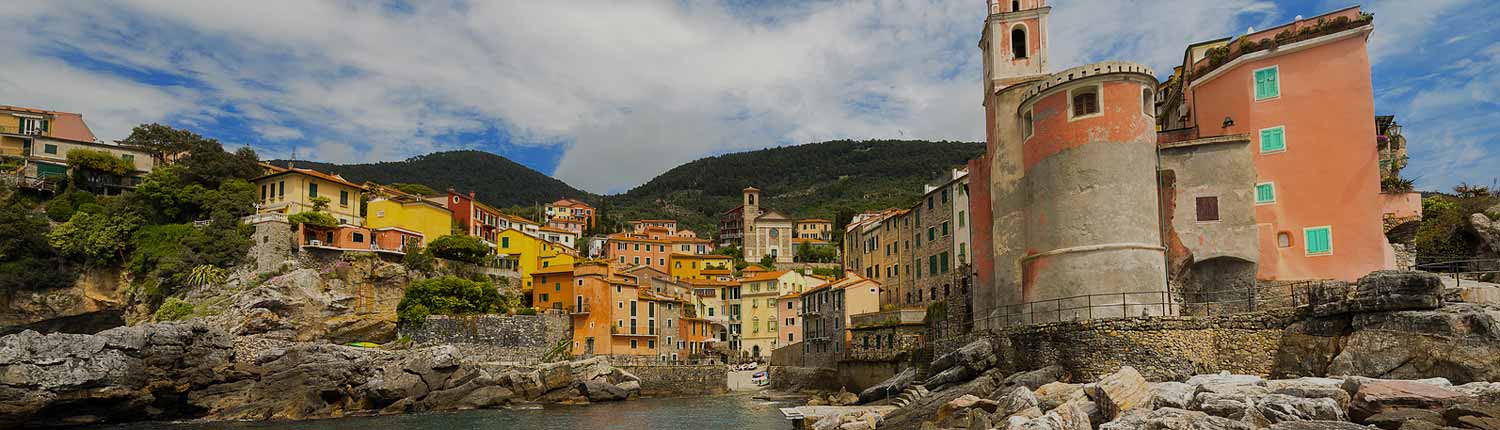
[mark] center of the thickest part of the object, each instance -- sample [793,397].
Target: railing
[582,309]
[9,129]
[1284,295]
[22,181]
[1460,268]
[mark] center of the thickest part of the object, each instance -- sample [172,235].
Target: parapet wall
[520,338]
[681,380]
[1161,348]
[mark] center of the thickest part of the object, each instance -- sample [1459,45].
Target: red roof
[63,125]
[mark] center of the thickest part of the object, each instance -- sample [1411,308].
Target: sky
[606,95]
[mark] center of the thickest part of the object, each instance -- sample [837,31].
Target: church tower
[1014,42]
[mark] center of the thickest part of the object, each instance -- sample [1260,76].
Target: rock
[1384,290]
[1473,415]
[978,421]
[1318,425]
[1014,401]
[951,409]
[1173,419]
[1278,408]
[1036,378]
[857,425]
[1235,405]
[1120,392]
[978,355]
[843,398]
[1373,396]
[557,375]
[1225,378]
[828,422]
[1172,395]
[1312,388]
[600,391]
[1067,417]
[632,387]
[953,375]
[889,387]
[1052,395]
[1487,231]
[1396,418]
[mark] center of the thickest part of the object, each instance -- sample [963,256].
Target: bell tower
[1014,42]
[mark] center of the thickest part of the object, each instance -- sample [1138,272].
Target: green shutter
[1318,240]
[312,190]
[1265,193]
[1266,85]
[1273,140]
[44,170]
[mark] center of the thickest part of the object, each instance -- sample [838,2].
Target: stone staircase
[911,395]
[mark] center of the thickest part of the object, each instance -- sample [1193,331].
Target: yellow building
[410,213]
[531,254]
[292,191]
[692,266]
[42,139]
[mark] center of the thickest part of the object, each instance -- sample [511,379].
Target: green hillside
[498,181]
[830,180]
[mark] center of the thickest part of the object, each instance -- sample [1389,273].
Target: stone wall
[1161,348]
[273,241]
[681,380]
[794,378]
[522,338]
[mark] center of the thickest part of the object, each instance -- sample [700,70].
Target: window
[282,191]
[544,297]
[632,344]
[1018,42]
[1318,240]
[1265,193]
[128,158]
[929,202]
[49,148]
[1208,208]
[1273,140]
[1027,127]
[505,242]
[343,198]
[1283,240]
[932,264]
[312,190]
[945,228]
[944,259]
[962,218]
[931,234]
[357,238]
[1084,102]
[263,192]
[945,195]
[1015,5]
[1267,83]
[1148,102]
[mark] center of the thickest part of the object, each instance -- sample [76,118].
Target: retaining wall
[794,378]
[681,380]
[519,338]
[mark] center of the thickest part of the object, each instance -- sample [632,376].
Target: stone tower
[752,211]
[1014,42]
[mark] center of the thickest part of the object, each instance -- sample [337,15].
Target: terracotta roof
[765,276]
[514,218]
[568,268]
[812,220]
[555,230]
[702,256]
[63,125]
[316,174]
[570,202]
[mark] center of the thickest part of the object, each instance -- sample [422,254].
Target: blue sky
[605,95]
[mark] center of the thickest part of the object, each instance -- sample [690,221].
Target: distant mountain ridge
[830,180]
[496,180]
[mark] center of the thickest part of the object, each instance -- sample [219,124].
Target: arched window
[1015,5]
[1148,102]
[1085,101]
[1018,42]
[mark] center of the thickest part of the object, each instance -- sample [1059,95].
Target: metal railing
[1276,296]
[1460,268]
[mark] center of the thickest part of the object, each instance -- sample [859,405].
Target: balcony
[582,309]
[16,130]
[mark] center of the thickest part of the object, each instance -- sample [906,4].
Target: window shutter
[1318,241]
[1265,193]
[1208,208]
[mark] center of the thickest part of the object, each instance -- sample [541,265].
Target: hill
[498,181]
[830,180]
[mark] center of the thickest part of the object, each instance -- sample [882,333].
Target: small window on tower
[1085,102]
[1018,42]
[1015,5]
[1208,208]
[1148,102]
[1026,125]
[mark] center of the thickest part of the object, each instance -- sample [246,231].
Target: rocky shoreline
[194,370]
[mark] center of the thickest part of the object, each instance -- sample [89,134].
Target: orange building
[1303,95]
[347,237]
[552,287]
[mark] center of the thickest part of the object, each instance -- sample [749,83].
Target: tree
[417,189]
[450,295]
[167,197]
[204,161]
[27,260]
[317,219]
[320,203]
[462,248]
[95,237]
[418,259]
[767,261]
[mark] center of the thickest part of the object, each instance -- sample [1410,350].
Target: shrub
[526,311]
[100,161]
[462,248]
[314,219]
[450,295]
[173,309]
[1392,184]
[418,259]
[60,210]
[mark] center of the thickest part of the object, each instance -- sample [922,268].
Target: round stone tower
[1091,228]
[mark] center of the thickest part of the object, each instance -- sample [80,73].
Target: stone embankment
[200,371]
[1387,352]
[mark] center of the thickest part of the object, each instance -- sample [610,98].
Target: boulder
[1397,418]
[1460,342]
[1318,425]
[1278,408]
[1312,388]
[889,387]
[978,356]
[1172,395]
[953,375]
[1067,417]
[1052,395]
[1037,378]
[1120,392]
[1225,378]
[1013,401]
[952,409]
[1173,419]
[557,375]
[1473,415]
[843,398]
[1373,396]
[1236,406]
[1384,290]
[600,391]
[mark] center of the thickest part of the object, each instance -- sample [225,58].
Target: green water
[696,413]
